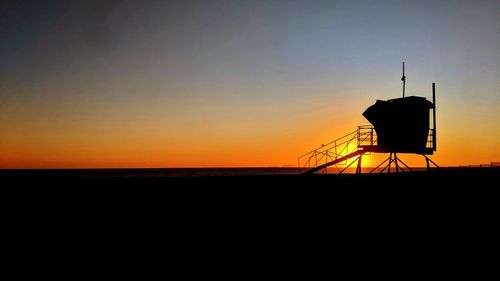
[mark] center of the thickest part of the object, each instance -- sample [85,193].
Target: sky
[229,83]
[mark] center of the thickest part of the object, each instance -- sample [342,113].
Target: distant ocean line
[171,172]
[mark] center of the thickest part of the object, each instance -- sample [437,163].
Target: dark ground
[446,184]
[446,208]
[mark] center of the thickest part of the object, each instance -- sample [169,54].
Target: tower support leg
[390,161]
[358,168]
[393,157]
[428,161]
[396,162]
[373,170]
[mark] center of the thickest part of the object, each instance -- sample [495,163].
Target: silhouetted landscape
[149,196]
[319,97]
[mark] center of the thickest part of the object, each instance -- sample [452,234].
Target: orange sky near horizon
[159,84]
[262,134]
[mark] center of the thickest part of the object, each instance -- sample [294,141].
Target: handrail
[339,148]
[328,143]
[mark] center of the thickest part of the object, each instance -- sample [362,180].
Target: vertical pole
[427,162]
[371,137]
[404,79]
[390,161]
[358,168]
[434,116]
[396,162]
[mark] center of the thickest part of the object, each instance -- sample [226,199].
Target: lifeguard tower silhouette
[401,125]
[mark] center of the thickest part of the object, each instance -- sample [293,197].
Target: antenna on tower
[403,79]
[434,116]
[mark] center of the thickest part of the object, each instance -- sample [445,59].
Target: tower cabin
[402,125]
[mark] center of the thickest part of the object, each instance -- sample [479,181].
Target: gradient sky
[236,83]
